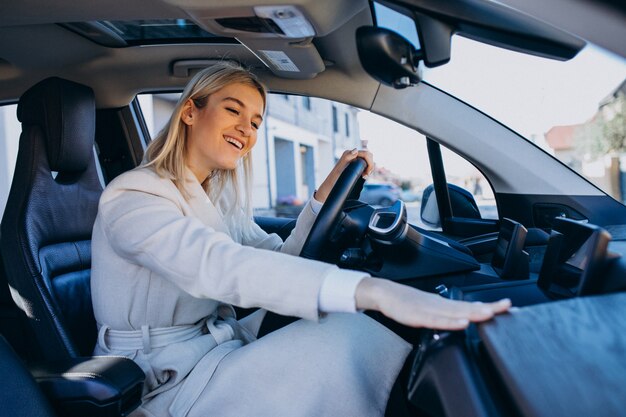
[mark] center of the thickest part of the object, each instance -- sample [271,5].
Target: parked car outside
[380,194]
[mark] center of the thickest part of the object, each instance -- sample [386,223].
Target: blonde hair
[166,153]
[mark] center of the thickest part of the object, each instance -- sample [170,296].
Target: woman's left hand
[348,156]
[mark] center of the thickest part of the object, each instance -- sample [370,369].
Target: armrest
[91,386]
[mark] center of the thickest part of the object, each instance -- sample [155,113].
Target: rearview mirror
[387,56]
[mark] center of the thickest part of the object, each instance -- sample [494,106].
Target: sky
[527,93]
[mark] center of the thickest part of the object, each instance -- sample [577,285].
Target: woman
[174,246]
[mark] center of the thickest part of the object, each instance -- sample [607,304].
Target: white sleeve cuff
[338,291]
[316,206]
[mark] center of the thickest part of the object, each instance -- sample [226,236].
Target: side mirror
[462,201]
[387,56]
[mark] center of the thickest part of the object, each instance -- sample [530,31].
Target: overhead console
[280,35]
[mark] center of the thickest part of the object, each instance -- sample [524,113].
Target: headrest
[66,113]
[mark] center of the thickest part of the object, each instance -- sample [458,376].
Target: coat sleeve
[151,230]
[293,244]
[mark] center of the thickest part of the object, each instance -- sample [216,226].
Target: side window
[298,144]
[402,165]
[10,130]
[466,176]
[157,109]
[297,148]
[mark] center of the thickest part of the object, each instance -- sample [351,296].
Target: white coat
[161,260]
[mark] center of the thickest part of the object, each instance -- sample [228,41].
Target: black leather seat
[20,395]
[47,223]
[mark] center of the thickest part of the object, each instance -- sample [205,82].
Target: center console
[515,364]
[575,258]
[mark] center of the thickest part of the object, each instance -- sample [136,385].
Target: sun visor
[287,59]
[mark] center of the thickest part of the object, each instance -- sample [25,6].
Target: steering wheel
[330,213]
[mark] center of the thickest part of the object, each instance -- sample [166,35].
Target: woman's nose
[244,129]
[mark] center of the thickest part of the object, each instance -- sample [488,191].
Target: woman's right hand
[415,308]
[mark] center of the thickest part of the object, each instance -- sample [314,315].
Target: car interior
[556,250]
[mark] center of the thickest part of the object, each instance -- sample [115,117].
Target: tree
[604,134]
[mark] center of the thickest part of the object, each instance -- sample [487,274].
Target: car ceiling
[34,46]
[599,21]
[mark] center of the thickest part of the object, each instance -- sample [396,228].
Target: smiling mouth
[237,144]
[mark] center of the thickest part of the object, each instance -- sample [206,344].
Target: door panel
[280,225]
[527,208]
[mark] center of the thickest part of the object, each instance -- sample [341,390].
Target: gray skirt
[345,365]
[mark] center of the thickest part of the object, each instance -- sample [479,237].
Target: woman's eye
[255,125]
[234,111]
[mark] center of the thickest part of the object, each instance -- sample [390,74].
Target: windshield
[574,110]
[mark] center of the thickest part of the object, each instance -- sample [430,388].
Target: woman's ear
[188,112]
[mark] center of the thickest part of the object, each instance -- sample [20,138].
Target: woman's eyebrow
[236,100]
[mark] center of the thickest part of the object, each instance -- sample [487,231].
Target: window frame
[451,224]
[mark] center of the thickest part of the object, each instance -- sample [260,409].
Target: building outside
[561,141]
[301,140]
[597,148]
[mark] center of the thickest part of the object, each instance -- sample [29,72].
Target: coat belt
[147,338]
[222,329]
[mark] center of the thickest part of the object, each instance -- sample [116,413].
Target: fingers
[350,154]
[484,311]
[420,309]
[453,315]
[416,308]
[500,306]
[369,158]
[475,312]
[438,322]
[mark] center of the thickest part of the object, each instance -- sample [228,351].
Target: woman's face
[222,132]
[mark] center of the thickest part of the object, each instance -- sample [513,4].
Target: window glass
[574,110]
[465,175]
[295,151]
[10,130]
[157,109]
[402,165]
[164,29]
[141,32]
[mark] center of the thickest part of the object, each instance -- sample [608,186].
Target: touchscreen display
[580,258]
[509,259]
[575,253]
[502,245]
